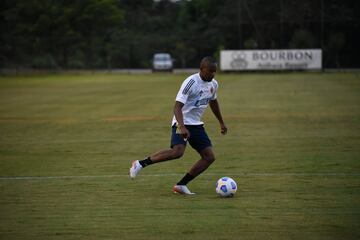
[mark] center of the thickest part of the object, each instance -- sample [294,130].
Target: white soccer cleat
[182,189]
[135,169]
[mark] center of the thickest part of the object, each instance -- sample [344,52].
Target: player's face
[208,72]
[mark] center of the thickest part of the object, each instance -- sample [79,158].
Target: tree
[335,45]
[302,38]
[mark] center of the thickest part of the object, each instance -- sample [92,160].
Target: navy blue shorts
[198,139]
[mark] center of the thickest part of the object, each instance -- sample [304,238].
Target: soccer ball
[226,187]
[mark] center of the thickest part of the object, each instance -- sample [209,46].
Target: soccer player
[196,93]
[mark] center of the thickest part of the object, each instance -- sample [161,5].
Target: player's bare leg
[207,158]
[164,155]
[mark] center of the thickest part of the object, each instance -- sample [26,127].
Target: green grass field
[66,143]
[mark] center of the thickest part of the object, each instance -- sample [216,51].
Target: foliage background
[126,33]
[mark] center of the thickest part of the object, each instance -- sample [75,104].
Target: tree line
[106,34]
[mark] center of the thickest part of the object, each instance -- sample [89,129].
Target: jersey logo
[188,86]
[202,102]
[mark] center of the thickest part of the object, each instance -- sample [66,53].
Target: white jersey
[195,94]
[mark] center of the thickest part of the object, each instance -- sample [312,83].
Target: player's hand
[223,129]
[182,130]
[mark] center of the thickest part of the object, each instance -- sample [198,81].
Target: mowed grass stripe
[179,174]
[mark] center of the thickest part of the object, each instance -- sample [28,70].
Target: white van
[162,62]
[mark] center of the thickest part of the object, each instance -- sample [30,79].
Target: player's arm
[180,120]
[214,105]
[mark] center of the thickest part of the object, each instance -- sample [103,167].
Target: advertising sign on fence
[294,59]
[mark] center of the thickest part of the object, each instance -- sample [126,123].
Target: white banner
[294,59]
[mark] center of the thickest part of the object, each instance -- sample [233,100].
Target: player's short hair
[208,60]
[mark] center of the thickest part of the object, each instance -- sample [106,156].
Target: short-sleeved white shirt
[195,94]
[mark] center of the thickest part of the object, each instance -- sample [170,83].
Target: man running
[196,93]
